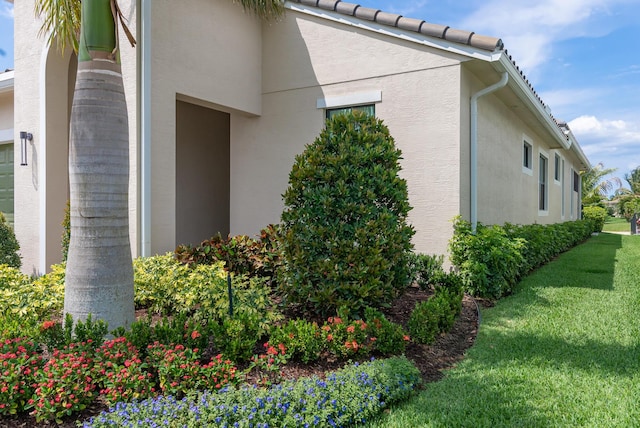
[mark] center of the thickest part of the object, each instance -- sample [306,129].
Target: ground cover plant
[562,350]
[348,396]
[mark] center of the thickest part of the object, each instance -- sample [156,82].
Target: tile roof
[443,32]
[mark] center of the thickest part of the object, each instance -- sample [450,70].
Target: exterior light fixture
[24,137]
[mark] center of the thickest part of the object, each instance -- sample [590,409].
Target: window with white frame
[543,190]
[576,193]
[562,187]
[527,156]
[556,168]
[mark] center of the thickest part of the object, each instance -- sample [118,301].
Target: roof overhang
[6,81]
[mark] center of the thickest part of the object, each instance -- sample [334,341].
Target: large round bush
[346,240]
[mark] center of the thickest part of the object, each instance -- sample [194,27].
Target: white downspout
[145,131]
[474,145]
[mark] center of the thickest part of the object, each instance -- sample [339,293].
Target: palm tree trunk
[99,273]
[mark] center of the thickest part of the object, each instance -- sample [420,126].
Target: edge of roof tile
[444,32]
[347,8]
[366,13]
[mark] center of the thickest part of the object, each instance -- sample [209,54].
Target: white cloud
[615,143]
[530,28]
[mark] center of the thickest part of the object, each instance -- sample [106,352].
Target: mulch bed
[447,350]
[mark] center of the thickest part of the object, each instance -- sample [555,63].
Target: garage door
[6,181]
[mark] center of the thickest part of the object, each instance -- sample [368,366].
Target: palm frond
[60,22]
[264,9]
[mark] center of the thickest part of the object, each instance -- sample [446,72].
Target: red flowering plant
[66,383]
[345,339]
[268,366]
[179,370]
[19,361]
[123,376]
[52,334]
[385,337]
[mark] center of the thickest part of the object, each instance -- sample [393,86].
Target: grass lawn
[563,350]
[614,224]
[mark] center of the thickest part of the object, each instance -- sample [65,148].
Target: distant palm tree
[634,180]
[99,273]
[595,187]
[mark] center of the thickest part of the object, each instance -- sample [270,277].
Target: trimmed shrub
[9,246]
[492,261]
[597,215]
[346,241]
[489,260]
[424,268]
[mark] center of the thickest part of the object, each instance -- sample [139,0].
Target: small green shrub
[492,261]
[596,214]
[489,260]
[424,268]
[302,339]
[236,337]
[385,337]
[57,335]
[9,246]
[346,241]
[424,323]
[340,338]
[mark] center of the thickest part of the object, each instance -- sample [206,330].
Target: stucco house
[220,103]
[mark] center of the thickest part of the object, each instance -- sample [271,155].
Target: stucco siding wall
[506,191]
[210,52]
[306,60]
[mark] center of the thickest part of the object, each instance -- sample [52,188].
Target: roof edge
[6,81]
[469,38]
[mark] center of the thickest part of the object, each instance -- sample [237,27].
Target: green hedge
[597,214]
[492,260]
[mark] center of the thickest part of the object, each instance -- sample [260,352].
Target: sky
[582,57]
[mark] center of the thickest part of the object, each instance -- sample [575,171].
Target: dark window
[576,182]
[527,155]
[556,171]
[542,205]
